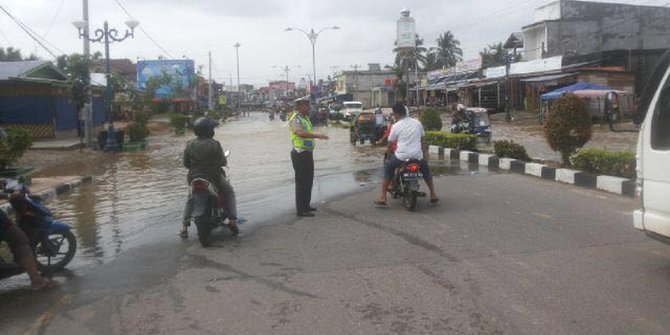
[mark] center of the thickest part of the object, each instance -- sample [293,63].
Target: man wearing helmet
[204,158]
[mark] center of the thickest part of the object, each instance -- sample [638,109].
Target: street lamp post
[107,36]
[313,36]
[237,57]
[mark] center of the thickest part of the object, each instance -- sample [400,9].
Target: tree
[431,62]
[400,85]
[77,69]
[12,55]
[568,126]
[494,55]
[408,58]
[448,51]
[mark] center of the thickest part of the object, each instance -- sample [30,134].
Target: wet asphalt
[501,253]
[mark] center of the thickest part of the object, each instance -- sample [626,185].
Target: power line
[53,20]
[31,33]
[123,8]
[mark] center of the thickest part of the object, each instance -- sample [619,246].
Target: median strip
[610,184]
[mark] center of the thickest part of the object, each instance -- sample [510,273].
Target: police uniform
[303,161]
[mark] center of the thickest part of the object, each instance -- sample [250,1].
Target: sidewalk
[64,144]
[48,188]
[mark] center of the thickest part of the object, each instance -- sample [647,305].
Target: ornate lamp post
[107,36]
[313,36]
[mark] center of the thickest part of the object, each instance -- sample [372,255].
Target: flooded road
[134,192]
[138,198]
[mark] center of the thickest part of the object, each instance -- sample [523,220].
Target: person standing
[304,140]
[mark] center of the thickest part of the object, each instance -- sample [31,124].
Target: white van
[653,156]
[351,109]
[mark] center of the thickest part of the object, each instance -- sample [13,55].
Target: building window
[660,125]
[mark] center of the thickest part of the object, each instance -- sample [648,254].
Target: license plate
[412,175]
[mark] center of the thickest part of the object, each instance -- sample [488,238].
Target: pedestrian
[303,138]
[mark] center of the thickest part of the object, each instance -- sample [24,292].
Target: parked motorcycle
[405,184]
[207,207]
[52,241]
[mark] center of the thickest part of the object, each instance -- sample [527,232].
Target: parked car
[653,156]
[351,108]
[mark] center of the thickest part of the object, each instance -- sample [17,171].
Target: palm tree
[448,51]
[494,55]
[407,58]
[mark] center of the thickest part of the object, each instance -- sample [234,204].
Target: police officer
[303,138]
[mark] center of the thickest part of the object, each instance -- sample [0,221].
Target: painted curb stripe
[518,167]
[567,176]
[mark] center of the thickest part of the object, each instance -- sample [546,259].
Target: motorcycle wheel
[409,199]
[62,246]
[204,225]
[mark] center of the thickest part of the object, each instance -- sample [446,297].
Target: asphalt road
[500,254]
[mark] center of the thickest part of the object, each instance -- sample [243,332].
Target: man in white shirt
[406,142]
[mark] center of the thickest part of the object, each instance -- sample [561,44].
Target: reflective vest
[299,142]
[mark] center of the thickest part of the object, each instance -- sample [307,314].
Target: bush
[179,123]
[568,126]
[431,120]
[611,163]
[17,142]
[509,149]
[449,140]
[137,131]
[214,114]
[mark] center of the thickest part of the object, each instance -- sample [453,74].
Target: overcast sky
[192,28]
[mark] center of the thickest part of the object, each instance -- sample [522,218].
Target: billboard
[180,69]
[406,33]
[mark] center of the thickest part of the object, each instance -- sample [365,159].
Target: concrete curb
[50,193]
[616,185]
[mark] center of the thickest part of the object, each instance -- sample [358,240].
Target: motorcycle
[406,184]
[272,116]
[207,207]
[52,241]
[477,122]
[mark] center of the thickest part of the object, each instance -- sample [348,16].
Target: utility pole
[87,110]
[286,69]
[237,56]
[355,67]
[209,96]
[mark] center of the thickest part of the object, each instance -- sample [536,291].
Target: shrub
[214,114]
[568,126]
[509,149]
[431,120]
[612,163]
[449,140]
[179,123]
[17,142]
[137,131]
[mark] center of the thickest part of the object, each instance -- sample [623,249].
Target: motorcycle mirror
[226,153]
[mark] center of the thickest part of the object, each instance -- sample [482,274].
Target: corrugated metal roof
[18,69]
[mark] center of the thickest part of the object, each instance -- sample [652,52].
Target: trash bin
[102,138]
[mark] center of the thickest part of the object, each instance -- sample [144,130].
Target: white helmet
[460,107]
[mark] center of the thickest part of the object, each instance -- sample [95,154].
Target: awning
[547,78]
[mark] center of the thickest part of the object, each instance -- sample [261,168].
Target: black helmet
[204,127]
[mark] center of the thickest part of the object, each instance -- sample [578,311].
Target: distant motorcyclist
[460,115]
[204,158]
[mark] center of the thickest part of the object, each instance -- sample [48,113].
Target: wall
[588,27]
[551,11]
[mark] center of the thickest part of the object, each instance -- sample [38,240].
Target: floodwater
[136,192]
[138,198]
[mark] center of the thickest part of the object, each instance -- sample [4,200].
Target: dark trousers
[303,165]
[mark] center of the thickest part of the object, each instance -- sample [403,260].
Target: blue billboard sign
[180,69]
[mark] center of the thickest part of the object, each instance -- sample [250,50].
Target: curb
[49,193]
[610,184]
